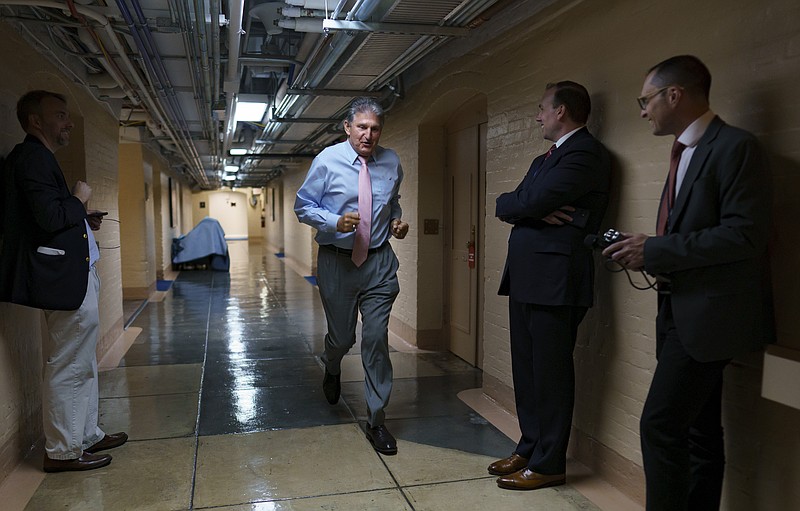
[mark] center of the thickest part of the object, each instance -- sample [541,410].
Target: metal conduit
[236,8]
[154,64]
[200,87]
[101,19]
[153,61]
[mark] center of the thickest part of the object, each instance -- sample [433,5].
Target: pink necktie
[669,195]
[364,229]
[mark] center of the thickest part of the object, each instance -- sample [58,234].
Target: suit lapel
[559,152]
[701,153]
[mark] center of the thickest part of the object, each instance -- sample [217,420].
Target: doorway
[465,185]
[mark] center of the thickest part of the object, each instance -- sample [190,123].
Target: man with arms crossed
[549,278]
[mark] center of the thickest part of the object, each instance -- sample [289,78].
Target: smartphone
[97,213]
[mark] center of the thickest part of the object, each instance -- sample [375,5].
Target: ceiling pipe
[215,53]
[136,98]
[143,38]
[338,10]
[337,44]
[231,86]
[102,20]
[267,60]
[153,60]
[184,16]
[205,70]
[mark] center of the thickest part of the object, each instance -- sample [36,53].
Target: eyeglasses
[643,100]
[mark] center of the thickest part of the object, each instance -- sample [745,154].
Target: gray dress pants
[371,289]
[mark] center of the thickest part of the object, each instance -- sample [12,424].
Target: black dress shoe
[381,440]
[87,461]
[332,387]
[109,442]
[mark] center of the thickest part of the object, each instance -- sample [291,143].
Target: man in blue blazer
[549,278]
[47,256]
[714,302]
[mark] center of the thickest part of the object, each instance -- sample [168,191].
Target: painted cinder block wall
[137,220]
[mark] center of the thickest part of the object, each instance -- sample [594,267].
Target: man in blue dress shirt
[357,275]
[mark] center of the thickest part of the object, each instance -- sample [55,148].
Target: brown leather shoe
[529,480]
[87,461]
[108,442]
[508,465]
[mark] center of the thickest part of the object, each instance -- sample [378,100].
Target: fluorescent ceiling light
[238,151]
[233,169]
[250,107]
[229,177]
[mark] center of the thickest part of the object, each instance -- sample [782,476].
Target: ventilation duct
[268,15]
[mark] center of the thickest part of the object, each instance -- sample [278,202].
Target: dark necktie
[364,229]
[668,199]
[538,168]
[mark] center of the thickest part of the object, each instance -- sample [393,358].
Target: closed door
[463,179]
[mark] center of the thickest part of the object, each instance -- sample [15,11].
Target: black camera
[600,242]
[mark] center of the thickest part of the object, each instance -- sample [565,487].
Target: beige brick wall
[273,200]
[254,229]
[298,239]
[137,200]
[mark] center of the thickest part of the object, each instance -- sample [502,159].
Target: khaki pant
[70,394]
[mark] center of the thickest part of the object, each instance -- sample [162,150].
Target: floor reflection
[222,396]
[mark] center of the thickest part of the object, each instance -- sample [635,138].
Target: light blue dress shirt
[94,252]
[331,190]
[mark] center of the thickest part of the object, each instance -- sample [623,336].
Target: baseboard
[117,350]
[20,485]
[781,377]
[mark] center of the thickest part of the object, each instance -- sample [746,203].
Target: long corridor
[221,395]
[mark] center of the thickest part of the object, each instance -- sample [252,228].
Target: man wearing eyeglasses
[710,260]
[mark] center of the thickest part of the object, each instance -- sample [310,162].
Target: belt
[664,287]
[347,252]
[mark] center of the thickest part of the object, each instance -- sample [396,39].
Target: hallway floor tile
[221,396]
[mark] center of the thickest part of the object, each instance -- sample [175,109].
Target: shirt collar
[694,132]
[353,155]
[565,137]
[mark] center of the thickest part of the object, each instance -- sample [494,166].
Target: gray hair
[362,105]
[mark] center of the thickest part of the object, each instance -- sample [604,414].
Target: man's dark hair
[686,71]
[361,105]
[574,97]
[31,103]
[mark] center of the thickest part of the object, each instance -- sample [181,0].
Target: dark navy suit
[549,277]
[40,211]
